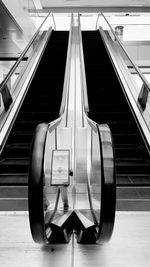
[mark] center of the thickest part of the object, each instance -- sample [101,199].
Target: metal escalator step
[101,107]
[17,150]
[142,179]
[20,137]
[13,191]
[42,106]
[117,126]
[133,179]
[112,116]
[13,204]
[27,125]
[133,199]
[11,165]
[132,166]
[125,138]
[133,160]
[127,151]
[13,178]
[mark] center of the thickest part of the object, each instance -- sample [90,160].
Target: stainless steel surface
[129,246]
[81,136]
[70,132]
[65,135]
[53,21]
[67,71]
[83,76]
[128,83]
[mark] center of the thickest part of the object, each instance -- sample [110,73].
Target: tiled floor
[129,246]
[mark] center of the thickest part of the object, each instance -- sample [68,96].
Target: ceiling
[93,5]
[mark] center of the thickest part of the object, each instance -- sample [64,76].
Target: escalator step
[13,179]
[11,165]
[18,150]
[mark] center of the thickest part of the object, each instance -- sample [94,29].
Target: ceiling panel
[95,3]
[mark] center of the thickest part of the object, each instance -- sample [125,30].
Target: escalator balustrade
[108,104]
[72,170]
[41,103]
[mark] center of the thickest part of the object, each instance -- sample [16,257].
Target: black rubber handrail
[66,76]
[36,185]
[84,91]
[108,195]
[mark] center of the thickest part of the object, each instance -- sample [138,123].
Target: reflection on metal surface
[140,102]
[129,84]
[77,170]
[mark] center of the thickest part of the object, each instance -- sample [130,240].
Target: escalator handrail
[108,184]
[10,73]
[108,192]
[129,58]
[53,21]
[66,76]
[85,95]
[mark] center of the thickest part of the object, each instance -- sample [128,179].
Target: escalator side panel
[108,104]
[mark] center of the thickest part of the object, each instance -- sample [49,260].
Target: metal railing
[66,77]
[85,96]
[143,95]
[4,90]
[53,21]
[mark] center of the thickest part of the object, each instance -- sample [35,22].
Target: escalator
[108,104]
[71,188]
[41,104]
